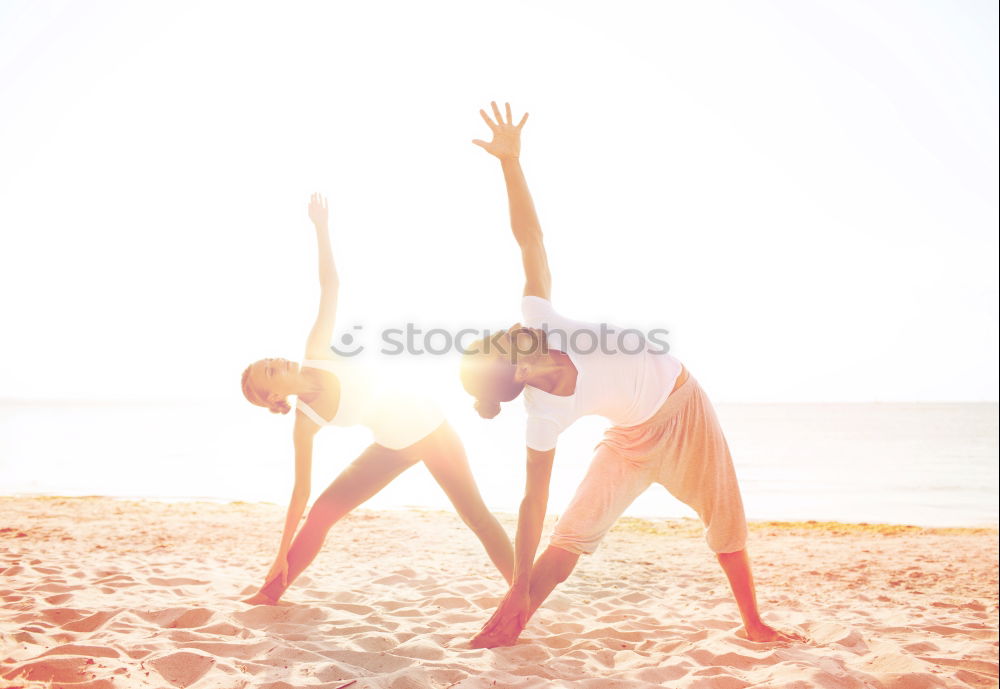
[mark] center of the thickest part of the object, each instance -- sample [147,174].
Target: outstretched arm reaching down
[510,617]
[506,145]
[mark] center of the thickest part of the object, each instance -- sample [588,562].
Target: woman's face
[275,376]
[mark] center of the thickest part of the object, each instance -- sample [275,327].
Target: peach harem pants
[680,447]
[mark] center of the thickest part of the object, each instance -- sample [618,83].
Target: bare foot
[493,639]
[259,599]
[763,633]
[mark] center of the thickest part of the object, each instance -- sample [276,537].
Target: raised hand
[506,143]
[318,211]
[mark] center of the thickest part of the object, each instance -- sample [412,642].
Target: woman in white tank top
[665,429]
[335,391]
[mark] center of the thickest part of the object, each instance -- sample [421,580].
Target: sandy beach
[98,593]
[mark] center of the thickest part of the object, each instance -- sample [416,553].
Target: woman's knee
[324,513]
[479,521]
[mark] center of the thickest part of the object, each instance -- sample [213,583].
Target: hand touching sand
[507,622]
[279,570]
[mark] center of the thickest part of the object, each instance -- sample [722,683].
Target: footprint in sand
[834,633]
[82,650]
[69,669]
[409,679]
[454,618]
[376,643]
[349,607]
[263,615]
[421,650]
[375,663]
[182,668]
[223,629]
[178,618]
[116,578]
[558,642]
[176,581]
[450,602]
[392,580]
[51,587]
[410,612]
[63,616]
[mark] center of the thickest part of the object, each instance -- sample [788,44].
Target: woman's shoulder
[316,361]
[334,363]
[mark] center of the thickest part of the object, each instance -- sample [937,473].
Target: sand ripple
[103,594]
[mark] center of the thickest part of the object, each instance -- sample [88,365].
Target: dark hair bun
[487,408]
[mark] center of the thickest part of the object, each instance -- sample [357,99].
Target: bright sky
[804,193]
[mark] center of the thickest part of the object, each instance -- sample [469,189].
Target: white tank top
[396,418]
[620,375]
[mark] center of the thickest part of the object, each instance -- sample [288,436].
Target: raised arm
[506,146]
[318,344]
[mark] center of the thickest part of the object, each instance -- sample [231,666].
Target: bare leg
[445,458]
[367,475]
[550,569]
[737,568]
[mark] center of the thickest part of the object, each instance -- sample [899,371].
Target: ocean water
[925,464]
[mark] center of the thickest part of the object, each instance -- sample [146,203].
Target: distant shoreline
[228,401]
[667,526]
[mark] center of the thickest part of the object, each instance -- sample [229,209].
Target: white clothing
[396,418]
[620,375]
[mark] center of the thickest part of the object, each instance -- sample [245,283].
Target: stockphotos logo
[415,341]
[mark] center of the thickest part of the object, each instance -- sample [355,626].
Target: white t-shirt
[620,375]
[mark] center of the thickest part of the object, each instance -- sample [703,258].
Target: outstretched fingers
[496,112]
[504,626]
[487,120]
[498,119]
[499,632]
